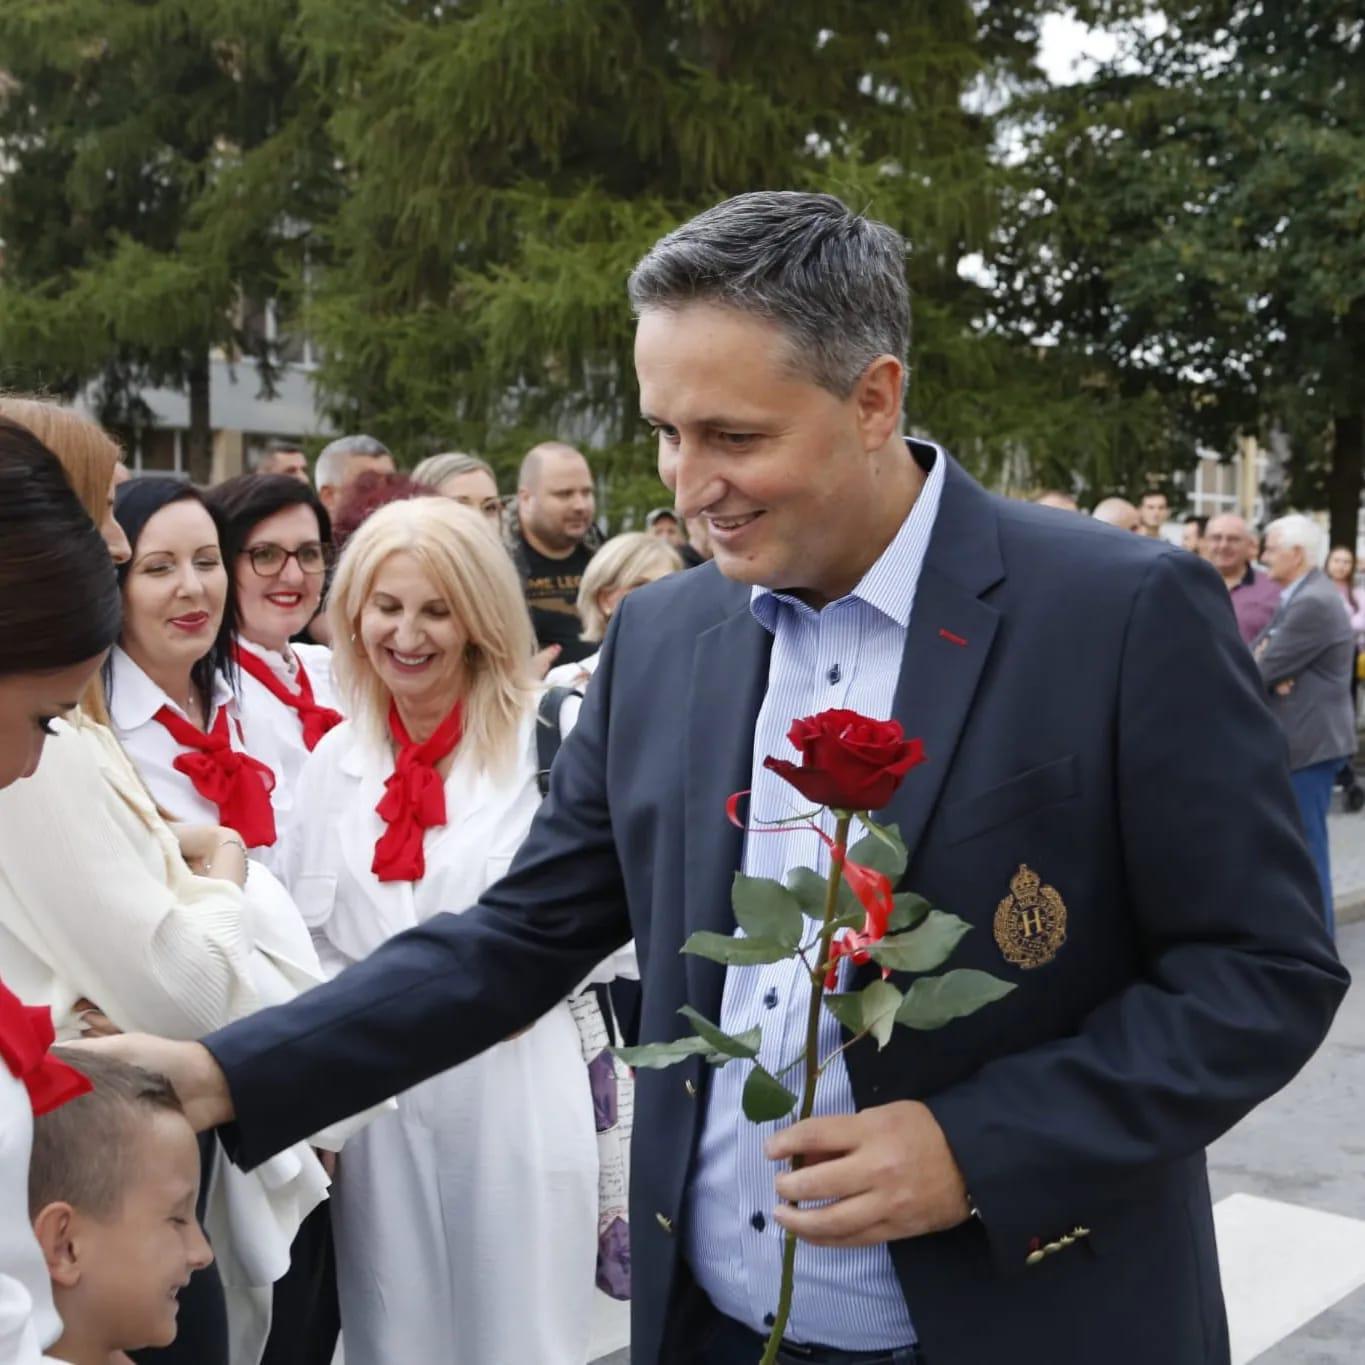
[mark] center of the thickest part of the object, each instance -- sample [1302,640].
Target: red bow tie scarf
[414,799]
[26,1033]
[316,720]
[236,783]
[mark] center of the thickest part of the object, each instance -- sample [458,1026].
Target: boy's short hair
[83,1149]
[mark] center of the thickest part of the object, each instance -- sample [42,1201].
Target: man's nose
[200,1252]
[693,480]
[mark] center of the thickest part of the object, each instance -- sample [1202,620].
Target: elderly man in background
[1255,595]
[1118,512]
[1305,655]
[343,461]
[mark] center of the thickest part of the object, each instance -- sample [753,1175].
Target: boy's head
[113,1182]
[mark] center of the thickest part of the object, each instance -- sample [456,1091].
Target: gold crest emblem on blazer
[1030,923]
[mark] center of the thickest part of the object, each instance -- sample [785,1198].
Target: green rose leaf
[659,1055]
[890,835]
[922,949]
[933,1001]
[810,890]
[765,1097]
[881,1000]
[745,1045]
[847,1009]
[910,910]
[736,952]
[883,852]
[765,909]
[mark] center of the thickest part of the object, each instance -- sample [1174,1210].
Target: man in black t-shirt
[555,506]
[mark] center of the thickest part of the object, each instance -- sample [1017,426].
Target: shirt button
[834,675]
[770,997]
[769,1319]
[758,1222]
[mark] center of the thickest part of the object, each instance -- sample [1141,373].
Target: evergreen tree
[507,161]
[159,170]
[1190,224]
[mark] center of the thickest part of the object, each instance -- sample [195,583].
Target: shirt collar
[134,698]
[283,665]
[889,585]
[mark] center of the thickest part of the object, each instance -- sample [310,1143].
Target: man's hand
[190,1068]
[889,1169]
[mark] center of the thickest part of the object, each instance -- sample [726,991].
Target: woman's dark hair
[59,602]
[242,503]
[135,504]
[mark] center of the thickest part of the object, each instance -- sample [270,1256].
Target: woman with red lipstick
[170,700]
[275,536]
[466,1223]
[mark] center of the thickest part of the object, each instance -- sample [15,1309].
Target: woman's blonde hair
[89,455]
[436,469]
[625,561]
[476,578]
[87,452]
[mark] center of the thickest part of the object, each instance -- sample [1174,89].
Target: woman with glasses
[275,535]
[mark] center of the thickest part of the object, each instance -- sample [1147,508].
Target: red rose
[848,762]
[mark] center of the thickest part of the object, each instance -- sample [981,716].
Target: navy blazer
[1088,710]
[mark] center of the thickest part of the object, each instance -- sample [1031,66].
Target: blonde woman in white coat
[466,1223]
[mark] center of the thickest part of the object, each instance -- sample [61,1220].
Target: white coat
[271,729]
[96,901]
[466,1223]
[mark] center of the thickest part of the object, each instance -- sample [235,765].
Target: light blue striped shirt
[847,655]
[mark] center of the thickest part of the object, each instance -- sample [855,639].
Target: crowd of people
[1303,618]
[236,810]
[269,727]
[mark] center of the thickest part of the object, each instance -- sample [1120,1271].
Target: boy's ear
[55,1229]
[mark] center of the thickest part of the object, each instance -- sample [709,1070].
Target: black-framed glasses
[269,560]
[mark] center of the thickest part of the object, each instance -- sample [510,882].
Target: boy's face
[135,1263]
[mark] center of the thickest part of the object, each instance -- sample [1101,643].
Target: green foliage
[507,161]
[160,161]
[882,851]
[746,1045]
[766,910]
[934,1001]
[765,1098]
[910,910]
[922,949]
[1186,234]
[737,952]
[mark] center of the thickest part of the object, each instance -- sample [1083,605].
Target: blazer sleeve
[1241,979]
[456,984]
[156,950]
[1309,625]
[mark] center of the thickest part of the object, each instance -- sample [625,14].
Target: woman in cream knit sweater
[99,906]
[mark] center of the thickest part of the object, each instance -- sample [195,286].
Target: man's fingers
[815,1138]
[829,1178]
[850,1222]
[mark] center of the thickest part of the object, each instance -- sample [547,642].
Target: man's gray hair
[1297,529]
[831,279]
[330,470]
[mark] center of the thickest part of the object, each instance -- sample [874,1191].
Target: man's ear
[55,1228]
[878,398]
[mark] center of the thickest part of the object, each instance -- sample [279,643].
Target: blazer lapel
[729,677]
[947,643]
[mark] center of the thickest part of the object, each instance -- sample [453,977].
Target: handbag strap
[548,736]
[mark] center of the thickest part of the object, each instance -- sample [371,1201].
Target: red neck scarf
[26,1033]
[236,783]
[316,720]
[414,797]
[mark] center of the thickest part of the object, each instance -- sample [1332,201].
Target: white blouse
[272,729]
[134,700]
[28,1320]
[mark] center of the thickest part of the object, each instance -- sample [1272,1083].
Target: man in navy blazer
[1106,801]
